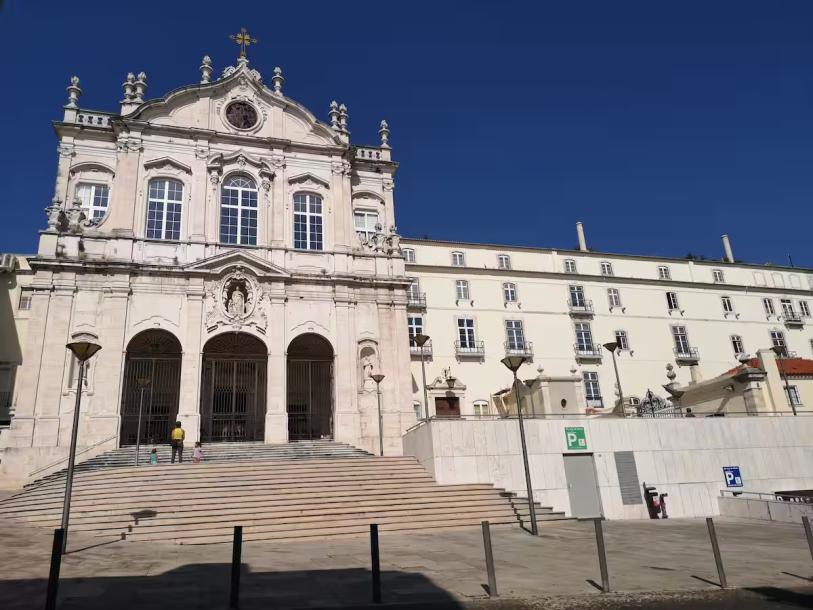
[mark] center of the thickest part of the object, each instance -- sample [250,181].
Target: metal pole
[138,435]
[380,421]
[425,393]
[492,577]
[236,554]
[602,556]
[53,575]
[66,505]
[785,383]
[376,567]
[809,534]
[618,381]
[531,509]
[716,550]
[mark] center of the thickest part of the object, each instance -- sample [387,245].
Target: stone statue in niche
[368,364]
[367,367]
[236,305]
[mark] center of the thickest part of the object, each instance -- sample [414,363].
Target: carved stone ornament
[237,300]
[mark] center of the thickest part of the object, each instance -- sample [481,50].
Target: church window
[24,303]
[504,261]
[737,344]
[241,115]
[606,268]
[613,297]
[570,265]
[458,260]
[664,273]
[462,290]
[409,255]
[717,275]
[480,408]
[307,221]
[509,292]
[365,222]
[93,198]
[164,209]
[238,211]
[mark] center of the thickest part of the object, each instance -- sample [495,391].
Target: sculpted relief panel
[237,300]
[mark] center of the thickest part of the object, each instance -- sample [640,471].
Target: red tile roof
[793,366]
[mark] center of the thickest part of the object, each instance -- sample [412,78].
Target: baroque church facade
[238,261]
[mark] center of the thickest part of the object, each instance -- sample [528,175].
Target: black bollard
[236,554]
[715,548]
[375,563]
[808,534]
[53,575]
[602,556]
[492,576]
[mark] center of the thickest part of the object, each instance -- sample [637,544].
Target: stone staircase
[523,513]
[321,490]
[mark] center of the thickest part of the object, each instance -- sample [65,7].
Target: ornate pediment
[237,300]
[308,178]
[236,259]
[240,159]
[167,162]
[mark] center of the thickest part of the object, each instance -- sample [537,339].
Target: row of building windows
[467,341]
[238,212]
[569,265]
[577,299]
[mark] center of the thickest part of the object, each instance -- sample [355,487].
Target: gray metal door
[582,486]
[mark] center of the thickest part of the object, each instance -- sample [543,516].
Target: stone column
[197,208]
[276,401]
[123,204]
[189,400]
[279,203]
[104,407]
[346,426]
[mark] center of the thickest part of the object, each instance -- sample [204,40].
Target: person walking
[197,454]
[178,435]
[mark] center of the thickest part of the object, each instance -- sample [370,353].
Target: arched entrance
[233,388]
[153,362]
[310,388]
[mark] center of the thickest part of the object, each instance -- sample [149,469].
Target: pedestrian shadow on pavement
[787,597]
[204,586]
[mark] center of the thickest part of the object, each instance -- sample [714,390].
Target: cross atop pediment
[244,39]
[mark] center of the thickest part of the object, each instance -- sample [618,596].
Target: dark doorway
[310,388]
[447,406]
[233,386]
[154,359]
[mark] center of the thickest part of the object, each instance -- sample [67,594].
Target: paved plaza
[422,569]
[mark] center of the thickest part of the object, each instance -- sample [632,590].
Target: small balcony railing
[585,351]
[415,350]
[580,307]
[470,348]
[793,318]
[519,348]
[416,301]
[687,355]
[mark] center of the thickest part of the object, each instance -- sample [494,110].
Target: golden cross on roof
[244,39]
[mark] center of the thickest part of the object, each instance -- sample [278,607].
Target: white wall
[682,457]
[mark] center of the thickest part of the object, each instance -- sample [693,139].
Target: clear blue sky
[660,125]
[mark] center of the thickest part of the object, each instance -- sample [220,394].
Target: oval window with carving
[241,115]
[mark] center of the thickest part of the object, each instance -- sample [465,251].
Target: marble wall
[682,457]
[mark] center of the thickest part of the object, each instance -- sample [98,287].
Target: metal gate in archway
[151,388]
[310,388]
[233,392]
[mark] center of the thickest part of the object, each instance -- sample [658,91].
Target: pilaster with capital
[277,224]
[189,401]
[276,414]
[343,217]
[347,426]
[66,151]
[109,366]
[123,205]
[197,213]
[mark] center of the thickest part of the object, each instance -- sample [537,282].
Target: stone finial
[73,93]
[129,88]
[670,373]
[205,70]
[277,80]
[343,117]
[384,132]
[334,115]
[76,216]
[55,214]
[140,87]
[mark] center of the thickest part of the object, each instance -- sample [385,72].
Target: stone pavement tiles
[445,567]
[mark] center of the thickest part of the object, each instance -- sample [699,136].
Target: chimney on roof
[580,234]
[729,254]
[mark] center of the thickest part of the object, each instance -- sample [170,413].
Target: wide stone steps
[272,499]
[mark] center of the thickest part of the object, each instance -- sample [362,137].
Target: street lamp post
[142,383]
[83,347]
[420,340]
[780,354]
[611,347]
[512,363]
[378,378]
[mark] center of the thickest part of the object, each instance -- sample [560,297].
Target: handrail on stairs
[78,453]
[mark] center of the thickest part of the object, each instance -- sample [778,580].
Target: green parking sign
[576,439]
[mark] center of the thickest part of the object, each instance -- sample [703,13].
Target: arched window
[307,221]
[94,199]
[164,209]
[480,408]
[238,211]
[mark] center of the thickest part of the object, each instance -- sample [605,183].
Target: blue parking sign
[733,478]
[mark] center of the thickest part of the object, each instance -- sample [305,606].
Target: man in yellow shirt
[177,437]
